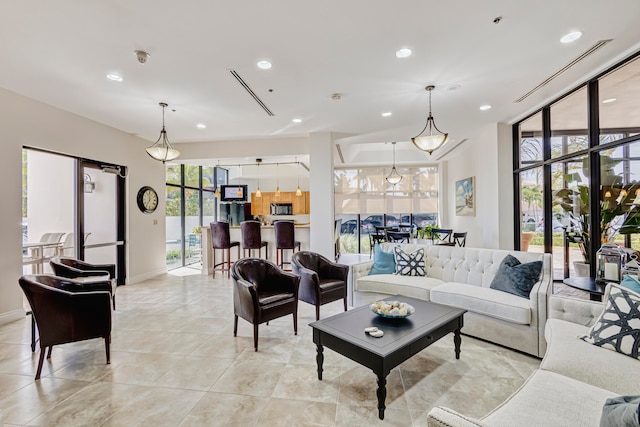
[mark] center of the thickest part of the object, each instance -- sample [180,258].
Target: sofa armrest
[359,270]
[444,417]
[582,312]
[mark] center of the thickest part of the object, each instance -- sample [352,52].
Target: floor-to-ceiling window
[191,203]
[579,169]
[364,200]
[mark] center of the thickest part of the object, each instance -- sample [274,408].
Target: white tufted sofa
[460,277]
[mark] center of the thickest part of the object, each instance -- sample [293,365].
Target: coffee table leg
[382,395]
[457,340]
[319,360]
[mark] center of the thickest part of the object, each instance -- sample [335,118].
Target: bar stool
[220,240]
[252,239]
[285,239]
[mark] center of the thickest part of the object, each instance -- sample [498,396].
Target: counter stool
[220,240]
[252,239]
[285,239]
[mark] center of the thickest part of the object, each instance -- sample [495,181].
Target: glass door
[101,215]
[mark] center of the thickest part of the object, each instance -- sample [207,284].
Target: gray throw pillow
[621,411]
[516,278]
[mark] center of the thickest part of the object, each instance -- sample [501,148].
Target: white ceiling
[60,52]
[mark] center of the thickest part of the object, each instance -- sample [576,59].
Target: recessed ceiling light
[403,53]
[296,120]
[571,37]
[485,107]
[609,100]
[386,114]
[114,77]
[265,65]
[201,126]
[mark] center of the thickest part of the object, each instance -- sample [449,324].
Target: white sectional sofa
[574,380]
[461,277]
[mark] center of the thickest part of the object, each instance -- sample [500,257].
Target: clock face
[147,199]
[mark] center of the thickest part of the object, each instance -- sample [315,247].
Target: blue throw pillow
[383,262]
[631,282]
[516,278]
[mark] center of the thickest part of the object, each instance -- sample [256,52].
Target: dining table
[35,254]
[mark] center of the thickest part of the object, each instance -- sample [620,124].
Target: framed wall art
[466,197]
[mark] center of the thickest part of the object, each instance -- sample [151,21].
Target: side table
[589,284]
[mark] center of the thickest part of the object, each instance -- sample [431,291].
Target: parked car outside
[377,221]
[349,227]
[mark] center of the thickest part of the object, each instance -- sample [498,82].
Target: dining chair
[441,236]
[398,236]
[220,239]
[460,239]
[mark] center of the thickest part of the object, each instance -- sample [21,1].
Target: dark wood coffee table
[344,333]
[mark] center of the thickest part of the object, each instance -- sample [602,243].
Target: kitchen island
[268,235]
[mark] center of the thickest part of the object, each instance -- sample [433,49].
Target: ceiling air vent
[340,153]
[588,52]
[251,92]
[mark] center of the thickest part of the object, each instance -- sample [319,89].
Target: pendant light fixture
[430,141]
[277,179]
[394,177]
[217,192]
[258,192]
[162,150]
[298,190]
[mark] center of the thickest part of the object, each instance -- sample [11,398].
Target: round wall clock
[147,199]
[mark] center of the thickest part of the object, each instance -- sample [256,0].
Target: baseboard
[142,277]
[11,316]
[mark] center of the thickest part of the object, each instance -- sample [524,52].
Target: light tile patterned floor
[175,362]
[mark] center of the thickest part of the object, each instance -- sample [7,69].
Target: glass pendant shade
[298,191]
[278,191]
[394,177]
[428,140]
[162,150]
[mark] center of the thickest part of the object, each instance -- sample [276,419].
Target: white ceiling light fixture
[571,37]
[394,177]
[386,114]
[161,149]
[403,53]
[201,126]
[485,107]
[114,77]
[264,65]
[609,100]
[430,141]
[296,120]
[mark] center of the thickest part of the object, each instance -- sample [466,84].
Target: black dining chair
[398,236]
[460,239]
[441,236]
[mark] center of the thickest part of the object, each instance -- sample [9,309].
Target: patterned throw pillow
[618,327]
[409,264]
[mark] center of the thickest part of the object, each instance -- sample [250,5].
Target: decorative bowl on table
[392,309]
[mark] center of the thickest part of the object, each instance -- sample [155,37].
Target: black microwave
[281,209]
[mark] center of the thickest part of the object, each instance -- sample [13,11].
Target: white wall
[25,122]
[477,157]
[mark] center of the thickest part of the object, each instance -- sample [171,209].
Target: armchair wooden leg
[229,262]
[317,312]
[107,348]
[345,303]
[235,325]
[295,323]
[255,336]
[49,352]
[40,361]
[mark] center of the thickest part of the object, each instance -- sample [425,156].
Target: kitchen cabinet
[262,205]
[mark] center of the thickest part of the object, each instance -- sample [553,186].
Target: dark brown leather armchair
[65,312]
[321,281]
[262,292]
[97,277]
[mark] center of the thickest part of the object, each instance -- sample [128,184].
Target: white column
[321,193]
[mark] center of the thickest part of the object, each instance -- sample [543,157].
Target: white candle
[611,271]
